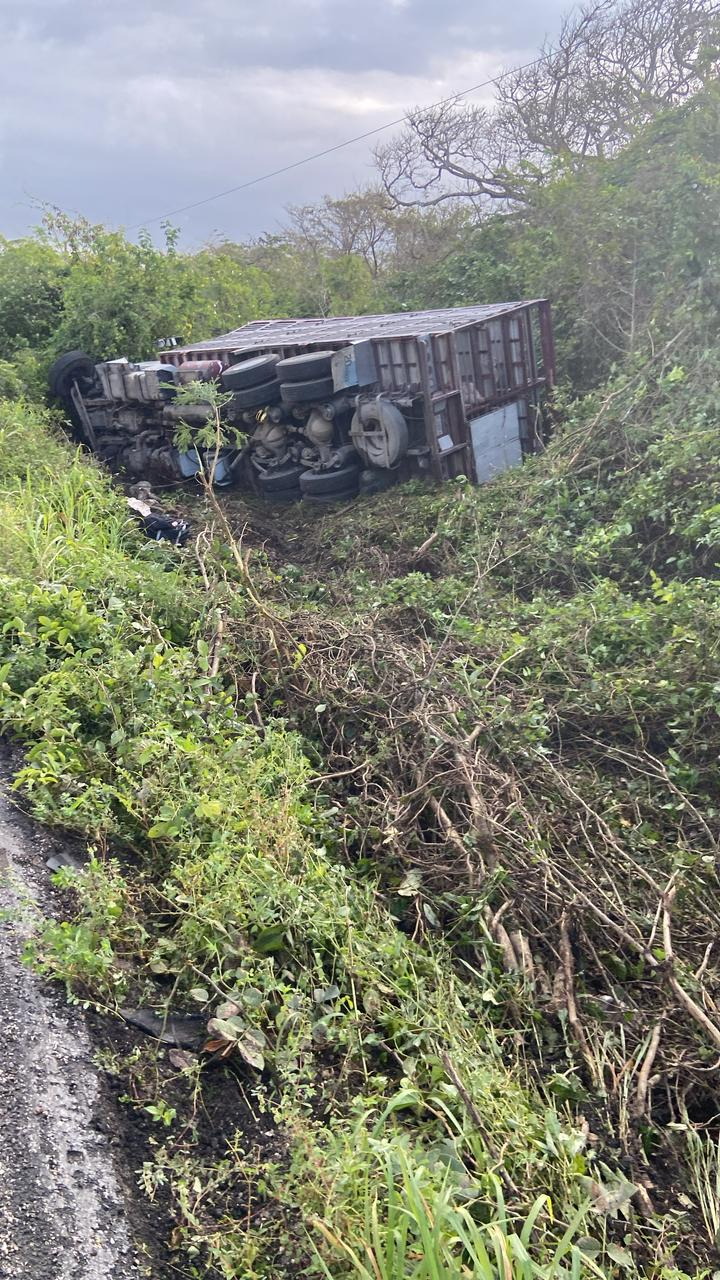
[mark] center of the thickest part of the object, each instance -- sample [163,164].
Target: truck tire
[249,373]
[319,483]
[313,391]
[379,433]
[257,397]
[282,479]
[316,364]
[73,366]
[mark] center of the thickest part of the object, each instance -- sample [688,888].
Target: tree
[120,298]
[623,246]
[357,224]
[450,153]
[32,276]
[613,67]
[305,281]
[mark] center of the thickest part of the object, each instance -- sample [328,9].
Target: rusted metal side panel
[461,431]
[518,367]
[480,339]
[507,357]
[428,411]
[454,375]
[397,363]
[548,343]
[494,360]
[498,355]
[466,368]
[527,355]
[446,426]
[442,351]
[486,342]
[494,364]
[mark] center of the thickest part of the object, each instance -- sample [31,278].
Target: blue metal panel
[354,366]
[496,442]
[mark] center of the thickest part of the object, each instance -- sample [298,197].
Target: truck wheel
[257,397]
[282,479]
[311,392]
[249,373]
[316,364]
[317,483]
[380,434]
[74,366]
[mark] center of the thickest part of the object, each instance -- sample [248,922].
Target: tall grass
[412,1231]
[704,1164]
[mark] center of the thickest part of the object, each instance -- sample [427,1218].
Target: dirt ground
[69,1205]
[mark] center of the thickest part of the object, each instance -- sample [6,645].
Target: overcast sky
[127,109]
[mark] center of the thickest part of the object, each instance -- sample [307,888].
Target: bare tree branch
[614,65]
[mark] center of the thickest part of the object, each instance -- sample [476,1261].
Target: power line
[318,155]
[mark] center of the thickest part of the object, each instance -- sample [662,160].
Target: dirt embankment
[69,1209]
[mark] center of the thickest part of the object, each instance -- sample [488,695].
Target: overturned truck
[328,407]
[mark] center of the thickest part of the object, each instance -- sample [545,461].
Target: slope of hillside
[518,700]
[417,808]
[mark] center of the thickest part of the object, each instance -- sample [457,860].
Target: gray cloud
[127,112]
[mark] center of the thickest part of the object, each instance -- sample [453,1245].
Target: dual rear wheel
[291,483]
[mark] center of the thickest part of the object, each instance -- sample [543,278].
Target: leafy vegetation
[416,810]
[479,881]
[236,892]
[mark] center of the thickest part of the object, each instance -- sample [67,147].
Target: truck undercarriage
[386,398]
